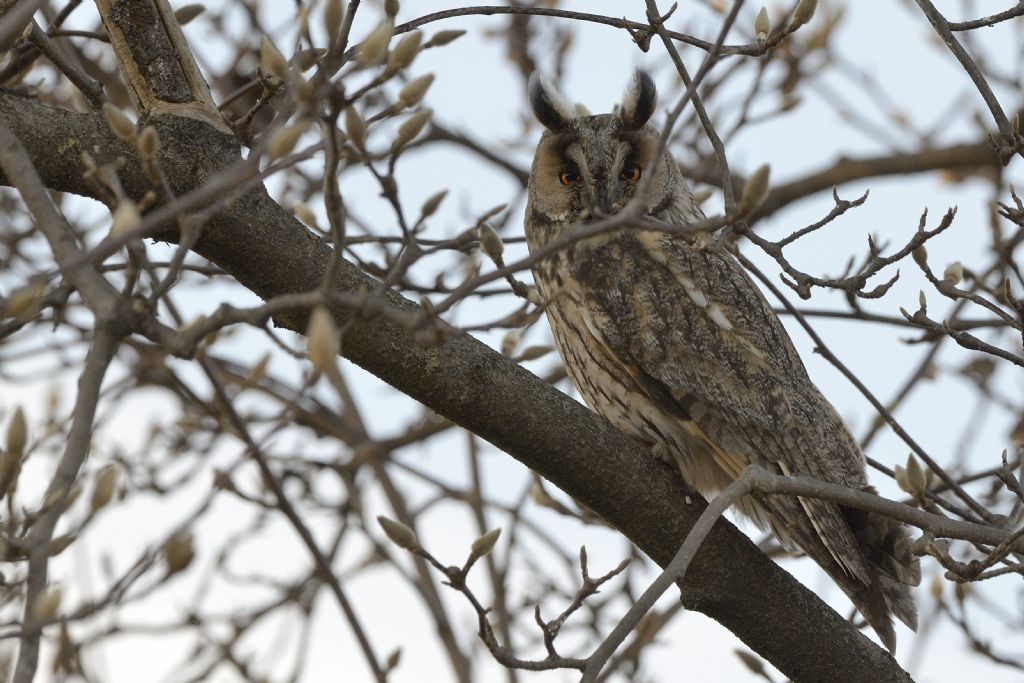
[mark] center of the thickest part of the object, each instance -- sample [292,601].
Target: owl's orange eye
[567,178]
[630,172]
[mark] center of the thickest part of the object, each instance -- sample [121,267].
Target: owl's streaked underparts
[669,339]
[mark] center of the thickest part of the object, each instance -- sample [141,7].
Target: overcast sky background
[478,92]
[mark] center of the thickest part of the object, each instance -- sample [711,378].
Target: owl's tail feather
[894,569]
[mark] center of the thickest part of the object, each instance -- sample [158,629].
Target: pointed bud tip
[400,534]
[485,543]
[754,191]
[323,341]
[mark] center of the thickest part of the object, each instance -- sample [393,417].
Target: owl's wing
[696,333]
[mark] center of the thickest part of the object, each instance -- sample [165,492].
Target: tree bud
[444,37]
[323,342]
[413,91]
[804,12]
[410,128]
[17,433]
[762,25]
[106,484]
[355,128]
[119,122]
[334,16]
[272,62]
[754,191]
[433,202]
[374,49]
[920,255]
[400,534]
[490,242]
[126,218]
[148,144]
[187,13]
[283,141]
[485,543]
[47,604]
[954,273]
[406,50]
[179,552]
[21,301]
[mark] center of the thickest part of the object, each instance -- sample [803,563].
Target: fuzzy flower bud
[916,478]
[410,128]
[322,339]
[283,141]
[900,475]
[119,123]
[47,604]
[187,13]
[485,543]
[106,483]
[762,25]
[272,62]
[413,91]
[17,433]
[355,128]
[406,50]
[510,341]
[920,255]
[304,214]
[126,218]
[804,12]
[22,300]
[754,191]
[334,16]
[444,37]
[374,49]
[954,273]
[400,534]
[490,242]
[533,353]
[148,144]
[433,202]
[179,552]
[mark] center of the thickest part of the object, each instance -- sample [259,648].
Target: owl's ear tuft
[638,102]
[547,105]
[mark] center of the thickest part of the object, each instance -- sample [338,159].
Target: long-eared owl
[668,338]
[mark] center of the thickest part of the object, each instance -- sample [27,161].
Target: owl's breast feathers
[673,343]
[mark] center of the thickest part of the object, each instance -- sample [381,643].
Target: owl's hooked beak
[605,198]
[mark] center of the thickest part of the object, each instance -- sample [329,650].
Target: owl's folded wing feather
[690,325]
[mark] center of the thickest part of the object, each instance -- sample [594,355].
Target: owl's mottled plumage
[669,339]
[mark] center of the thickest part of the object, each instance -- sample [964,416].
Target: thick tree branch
[962,158]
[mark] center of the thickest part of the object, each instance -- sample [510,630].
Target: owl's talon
[661,454]
[664,456]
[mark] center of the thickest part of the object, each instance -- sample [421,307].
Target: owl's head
[588,166]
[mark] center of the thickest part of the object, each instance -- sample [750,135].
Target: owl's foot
[662,455]
[665,457]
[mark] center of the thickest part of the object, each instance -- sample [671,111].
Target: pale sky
[477,92]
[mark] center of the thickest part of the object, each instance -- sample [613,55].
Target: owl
[668,338]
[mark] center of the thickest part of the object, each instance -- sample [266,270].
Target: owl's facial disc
[588,167]
[600,163]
